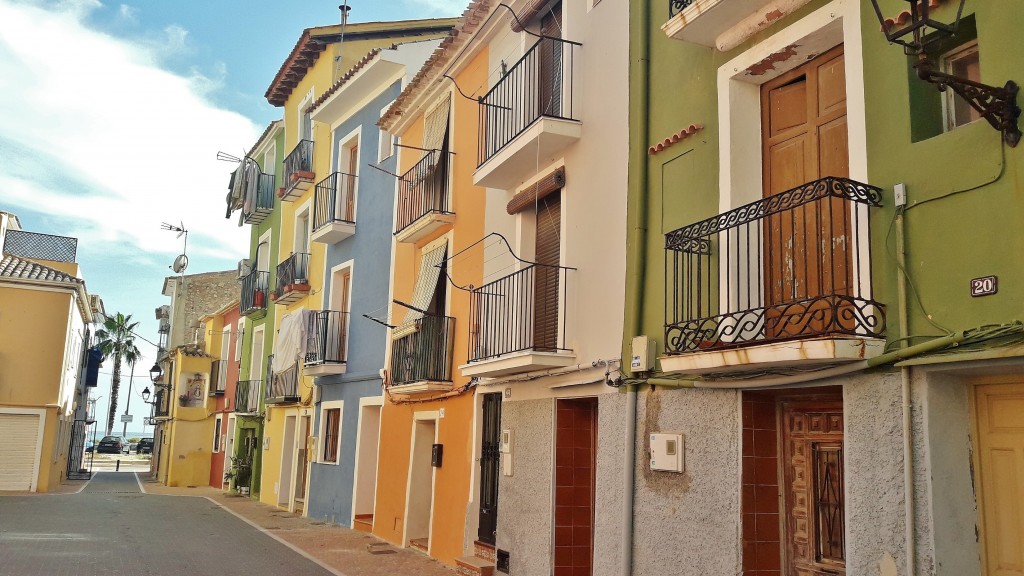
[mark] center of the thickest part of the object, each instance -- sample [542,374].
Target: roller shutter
[19,456]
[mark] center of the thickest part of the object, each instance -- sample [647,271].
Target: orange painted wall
[454,431]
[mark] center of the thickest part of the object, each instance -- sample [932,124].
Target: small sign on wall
[984,286]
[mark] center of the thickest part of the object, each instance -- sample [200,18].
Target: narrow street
[112,528]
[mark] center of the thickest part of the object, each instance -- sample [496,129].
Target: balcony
[298,171]
[292,279]
[421,360]
[283,387]
[218,377]
[778,283]
[528,115]
[162,404]
[517,324]
[258,201]
[721,24]
[253,301]
[165,326]
[326,343]
[334,208]
[423,198]
[247,396]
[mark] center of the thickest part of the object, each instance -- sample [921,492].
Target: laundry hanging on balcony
[423,293]
[290,344]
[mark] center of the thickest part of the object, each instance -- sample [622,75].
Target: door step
[484,550]
[421,544]
[363,523]
[473,566]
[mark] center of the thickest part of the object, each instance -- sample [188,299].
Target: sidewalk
[340,549]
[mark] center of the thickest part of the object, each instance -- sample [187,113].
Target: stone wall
[200,294]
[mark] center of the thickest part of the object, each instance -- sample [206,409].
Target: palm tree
[117,337]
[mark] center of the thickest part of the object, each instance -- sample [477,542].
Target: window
[216,433]
[386,141]
[962,62]
[305,120]
[348,167]
[302,230]
[330,434]
[238,340]
[269,159]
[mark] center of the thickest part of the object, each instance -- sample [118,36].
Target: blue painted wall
[330,486]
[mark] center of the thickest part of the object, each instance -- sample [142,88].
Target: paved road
[112,528]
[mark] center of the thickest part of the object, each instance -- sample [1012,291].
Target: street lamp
[155,373]
[916,31]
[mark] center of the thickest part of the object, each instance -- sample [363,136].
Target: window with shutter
[546,279]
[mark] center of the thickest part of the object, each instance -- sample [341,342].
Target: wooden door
[813,486]
[804,134]
[349,205]
[490,465]
[999,483]
[546,273]
[550,63]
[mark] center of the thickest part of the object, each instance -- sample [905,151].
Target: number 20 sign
[984,286]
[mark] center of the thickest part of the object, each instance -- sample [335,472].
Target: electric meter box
[667,452]
[642,354]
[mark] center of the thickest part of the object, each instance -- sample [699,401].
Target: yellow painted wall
[454,431]
[186,459]
[34,326]
[273,428]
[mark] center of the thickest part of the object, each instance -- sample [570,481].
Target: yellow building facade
[317,62]
[45,318]
[188,430]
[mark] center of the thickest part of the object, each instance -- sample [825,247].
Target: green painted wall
[949,240]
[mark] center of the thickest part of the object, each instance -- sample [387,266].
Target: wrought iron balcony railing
[162,406]
[425,355]
[326,339]
[165,326]
[539,85]
[423,189]
[282,387]
[247,396]
[293,271]
[334,200]
[677,6]
[299,163]
[791,266]
[218,377]
[255,292]
[258,201]
[519,312]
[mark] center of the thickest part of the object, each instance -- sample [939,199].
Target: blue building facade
[342,480]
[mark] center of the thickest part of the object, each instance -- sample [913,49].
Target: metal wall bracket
[997,105]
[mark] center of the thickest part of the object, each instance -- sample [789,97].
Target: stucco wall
[689,523]
[525,497]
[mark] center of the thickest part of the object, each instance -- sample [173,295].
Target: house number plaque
[984,286]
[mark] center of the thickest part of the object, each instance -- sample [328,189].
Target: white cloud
[125,144]
[128,13]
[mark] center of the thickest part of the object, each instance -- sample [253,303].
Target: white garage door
[19,456]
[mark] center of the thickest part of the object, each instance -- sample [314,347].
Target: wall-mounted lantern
[998,106]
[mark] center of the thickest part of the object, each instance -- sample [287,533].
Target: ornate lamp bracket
[997,105]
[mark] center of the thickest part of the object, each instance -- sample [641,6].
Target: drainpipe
[637,209]
[905,381]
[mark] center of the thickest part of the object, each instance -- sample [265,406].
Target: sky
[111,117]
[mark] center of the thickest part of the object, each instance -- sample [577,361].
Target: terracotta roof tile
[904,16]
[471,19]
[14,267]
[677,137]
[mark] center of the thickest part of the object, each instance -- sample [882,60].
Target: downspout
[636,248]
[905,381]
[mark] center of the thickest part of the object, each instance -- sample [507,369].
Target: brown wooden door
[546,272]
[813,486]
[804,139]
[349,206]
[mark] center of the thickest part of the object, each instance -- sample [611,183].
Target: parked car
[90,447]
[145,446]
[112,445]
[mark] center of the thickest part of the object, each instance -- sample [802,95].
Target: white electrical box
[642,354]
[667,452]
[506,452]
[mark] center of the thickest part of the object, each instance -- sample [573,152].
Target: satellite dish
[180,263]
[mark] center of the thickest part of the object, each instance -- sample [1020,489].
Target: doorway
[490,464]
[284,488]
[575,471]
[793,508]
[302,462]
[806,247]
[364,489]
[419,507]
[998,407]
